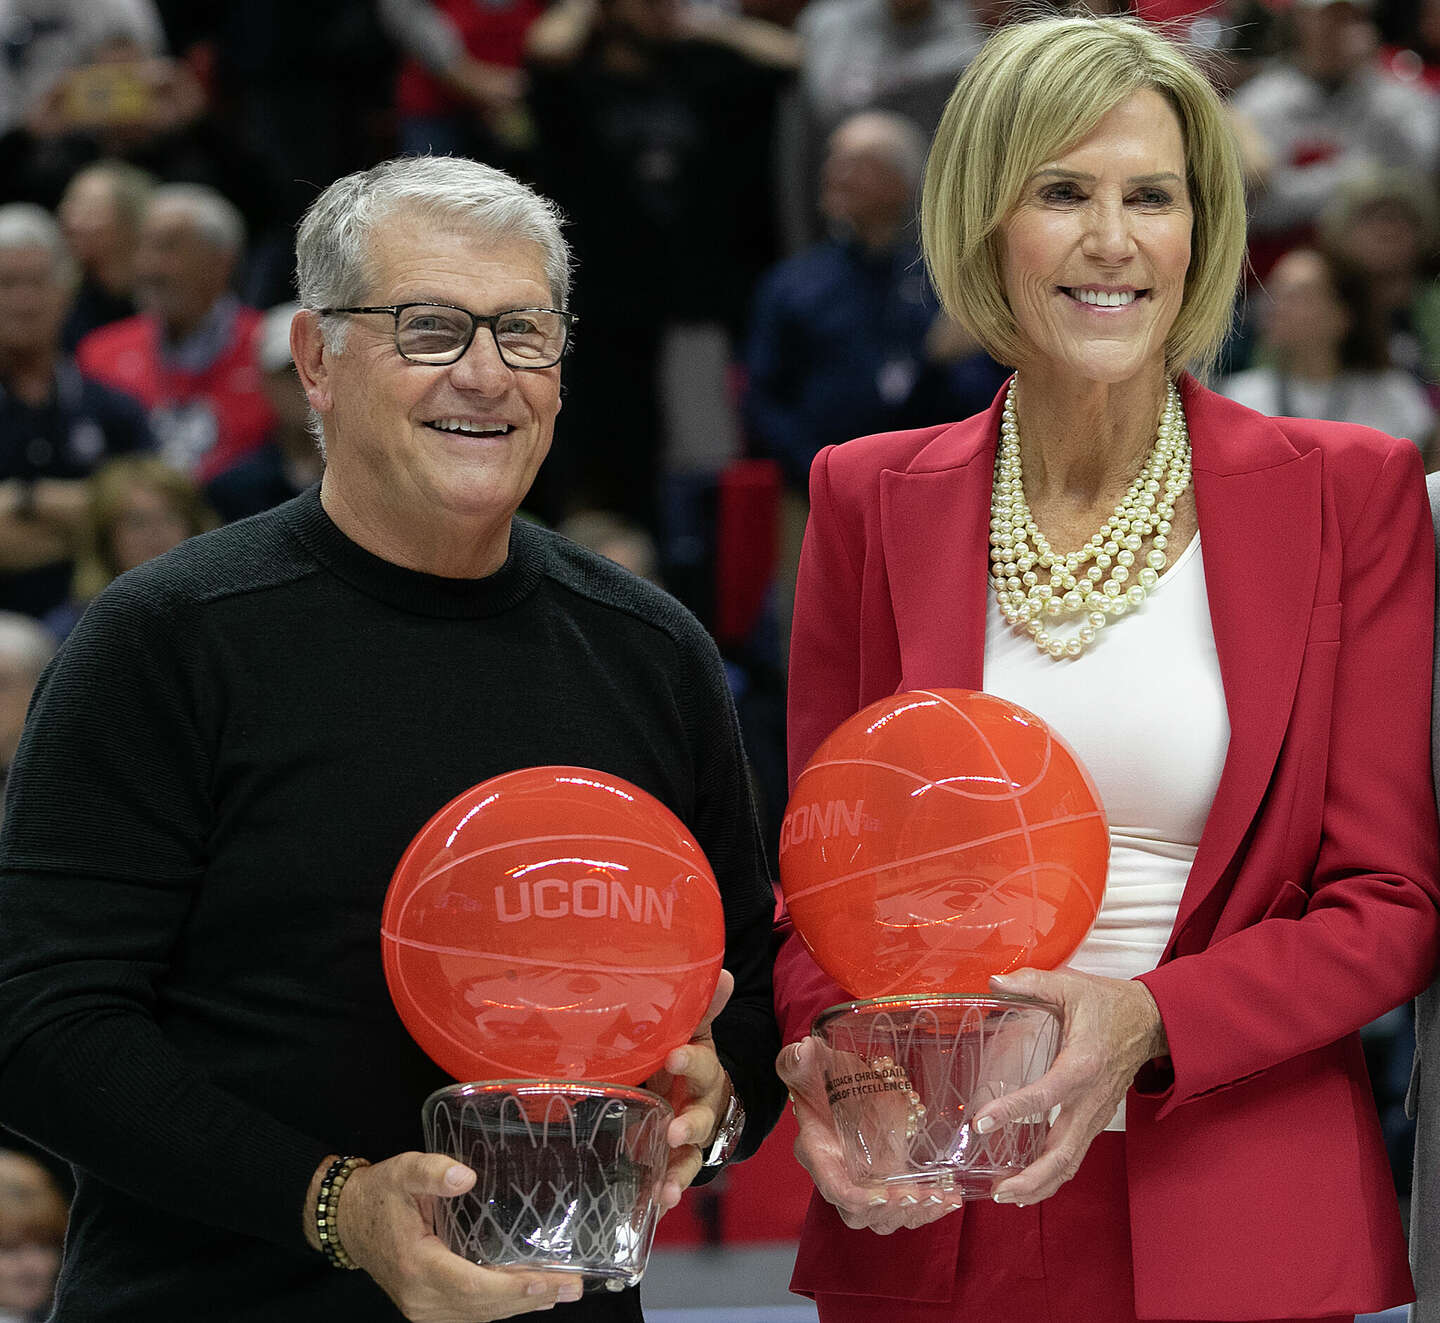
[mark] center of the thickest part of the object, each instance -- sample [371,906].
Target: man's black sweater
[220,772]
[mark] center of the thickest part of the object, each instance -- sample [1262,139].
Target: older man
[57,425]
[235,747]
[189,356]
[847,337]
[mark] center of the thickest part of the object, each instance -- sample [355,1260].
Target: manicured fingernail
[878,1201]
[456,1176]
[908,1201]
[984,1125]
[1004,1198]
[933,1199]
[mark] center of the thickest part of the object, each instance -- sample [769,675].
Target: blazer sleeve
[824,689]
[1367,938]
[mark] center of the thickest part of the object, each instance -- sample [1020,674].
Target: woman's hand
[1109,1028]
[697,1087]
[817,1148]
[384,1224]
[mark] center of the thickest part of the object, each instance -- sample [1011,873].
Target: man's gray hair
[332,267]
[216,219]
[25,225]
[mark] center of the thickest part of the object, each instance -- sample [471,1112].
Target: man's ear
[307,348]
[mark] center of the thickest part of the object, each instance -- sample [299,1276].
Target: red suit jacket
[1258,1182]
[206,421]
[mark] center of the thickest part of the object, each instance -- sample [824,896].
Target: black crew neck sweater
[221,770]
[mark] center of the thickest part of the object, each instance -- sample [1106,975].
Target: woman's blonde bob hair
[1036,88]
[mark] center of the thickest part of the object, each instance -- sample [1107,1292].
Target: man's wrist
[721,1146]
[312,1195]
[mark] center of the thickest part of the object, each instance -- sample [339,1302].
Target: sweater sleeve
[728,830]
[102,852]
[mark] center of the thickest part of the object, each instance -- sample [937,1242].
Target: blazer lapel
[1258,501]
[935,530]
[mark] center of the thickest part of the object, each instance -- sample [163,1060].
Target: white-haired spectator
[847,337]
[100,213]
[899,55]
[56,425]
[189,356]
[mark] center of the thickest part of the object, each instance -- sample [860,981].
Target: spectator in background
[655,124]
[1326,354]
[297,95]
[137,507]
[1415,54]
[100,213]
[189,357]
[56,424]
[900,55]
[32,1231]
[47,41]
[1387,226]
[26,647]
[847,337]
[628,545]
[1326,116]
[290,460]
[461,87]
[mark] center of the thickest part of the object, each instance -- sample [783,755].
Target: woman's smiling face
[1095,252]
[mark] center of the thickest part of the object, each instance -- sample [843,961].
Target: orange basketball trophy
[549,936]
[935,838]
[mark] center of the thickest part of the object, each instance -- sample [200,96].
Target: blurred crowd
[740,178]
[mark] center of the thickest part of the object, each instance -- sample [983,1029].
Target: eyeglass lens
[526,337]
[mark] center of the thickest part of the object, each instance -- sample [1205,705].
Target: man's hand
[1109,1028]
[384,1226]
[699,1090]
[899,1205]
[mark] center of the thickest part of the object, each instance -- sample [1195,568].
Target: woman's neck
[1081,445]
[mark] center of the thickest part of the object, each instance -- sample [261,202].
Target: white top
[1391,401]
[1144,710]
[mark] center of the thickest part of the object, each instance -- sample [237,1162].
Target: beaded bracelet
[327,1204]
[893,1072]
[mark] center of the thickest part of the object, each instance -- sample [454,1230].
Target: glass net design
[566,1180]
[904,1081]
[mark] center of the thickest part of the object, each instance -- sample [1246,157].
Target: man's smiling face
[422,447]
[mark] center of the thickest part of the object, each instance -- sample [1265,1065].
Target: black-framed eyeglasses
[439,333]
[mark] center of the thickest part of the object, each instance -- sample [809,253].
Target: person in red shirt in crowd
[460,88]
[189,356]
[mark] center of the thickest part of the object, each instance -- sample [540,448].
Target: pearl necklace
[1020,553]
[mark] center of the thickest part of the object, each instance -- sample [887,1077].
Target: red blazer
[1258,1182]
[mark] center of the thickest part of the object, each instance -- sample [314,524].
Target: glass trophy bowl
[906,1075]
[567,1175]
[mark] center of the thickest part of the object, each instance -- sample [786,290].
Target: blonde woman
[1228,617]
[137,507]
